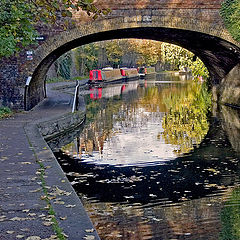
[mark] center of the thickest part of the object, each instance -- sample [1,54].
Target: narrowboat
[110,75]
[147,72]
[129,73]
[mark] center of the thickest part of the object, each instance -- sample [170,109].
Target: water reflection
[136,125]
[151,163]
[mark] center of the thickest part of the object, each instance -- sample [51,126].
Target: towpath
[35,195]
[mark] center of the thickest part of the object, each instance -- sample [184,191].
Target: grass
[5,112]
[56,228]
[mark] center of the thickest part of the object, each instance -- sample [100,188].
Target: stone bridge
[193,24]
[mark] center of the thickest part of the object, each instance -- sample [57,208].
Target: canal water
[156,160]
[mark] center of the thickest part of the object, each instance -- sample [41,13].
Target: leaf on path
[26,163]
[90,230]
[47,223]
[33,238]
[32,214]
[63,218]
[59,202]
[26,210]
[20,236]
[89,237]
[70,206]
[10,232]
[25,229]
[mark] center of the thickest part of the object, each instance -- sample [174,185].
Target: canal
[155,159]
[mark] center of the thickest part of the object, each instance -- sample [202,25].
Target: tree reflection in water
[180,197]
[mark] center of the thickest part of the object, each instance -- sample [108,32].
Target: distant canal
[156,160]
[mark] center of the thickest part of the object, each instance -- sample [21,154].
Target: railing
[75,100]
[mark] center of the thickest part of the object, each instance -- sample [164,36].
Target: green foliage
[87,58]
[63,65]
[180,57]
[149,52]
[5,112]
[230,12]
[185,123]
[115,51]
[18,19]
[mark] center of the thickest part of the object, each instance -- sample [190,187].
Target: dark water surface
[155,160]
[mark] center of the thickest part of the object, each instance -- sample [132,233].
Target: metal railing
[75,100]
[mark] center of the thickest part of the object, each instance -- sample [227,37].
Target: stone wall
[229,91]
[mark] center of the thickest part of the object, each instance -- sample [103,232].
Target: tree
[18,19]
[149,51]
[181,57]
[230,13]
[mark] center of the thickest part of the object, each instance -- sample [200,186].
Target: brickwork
[193,24]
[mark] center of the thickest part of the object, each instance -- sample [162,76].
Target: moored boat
[129,73]
[147,72]
[110,75]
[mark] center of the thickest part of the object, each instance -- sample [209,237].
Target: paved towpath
[32,183]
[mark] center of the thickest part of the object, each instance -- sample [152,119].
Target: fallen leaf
[70,206]
[20,236]
[89,237]
[26,210]
[33,238]
[47,223]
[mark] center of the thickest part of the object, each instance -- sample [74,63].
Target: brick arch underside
[219,55]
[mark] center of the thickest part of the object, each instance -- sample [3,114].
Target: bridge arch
[210,42]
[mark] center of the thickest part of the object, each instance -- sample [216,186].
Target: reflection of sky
[137,144]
